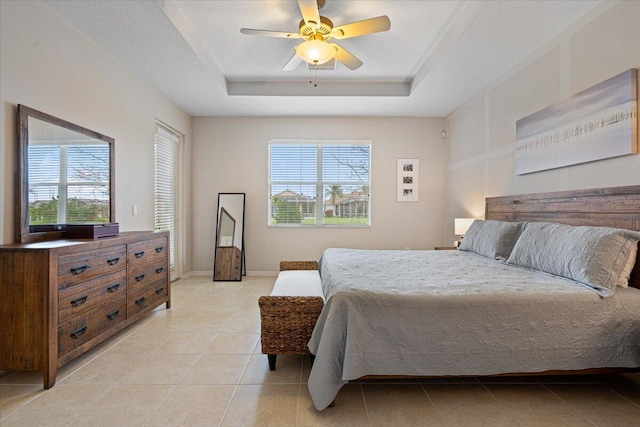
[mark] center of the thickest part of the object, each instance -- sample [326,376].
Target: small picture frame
[407,187]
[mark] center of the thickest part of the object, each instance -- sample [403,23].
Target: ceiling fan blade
[310,14]
[362,28]
[269,33]
[293,63]
[344,57]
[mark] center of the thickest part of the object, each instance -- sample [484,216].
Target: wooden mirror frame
[23,232]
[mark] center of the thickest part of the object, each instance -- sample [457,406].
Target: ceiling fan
[316,30]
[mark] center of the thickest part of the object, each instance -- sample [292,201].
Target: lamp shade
[315,51]
[461,225]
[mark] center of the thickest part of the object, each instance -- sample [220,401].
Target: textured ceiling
[436,55]
[387,56]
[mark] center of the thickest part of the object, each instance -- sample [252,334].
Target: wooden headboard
[609,207]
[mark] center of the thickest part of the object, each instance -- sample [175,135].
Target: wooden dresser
[227,264]
[60,298]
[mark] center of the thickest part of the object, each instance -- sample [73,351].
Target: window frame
[319,183]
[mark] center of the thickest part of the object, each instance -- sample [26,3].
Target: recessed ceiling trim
[177,18]
[323,89]
[457,23]
[449,67]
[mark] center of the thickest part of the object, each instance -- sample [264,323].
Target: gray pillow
[594,256]
[490,238]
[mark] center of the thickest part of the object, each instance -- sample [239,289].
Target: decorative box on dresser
[60,298]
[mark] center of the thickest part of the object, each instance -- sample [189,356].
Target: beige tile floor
[199,363]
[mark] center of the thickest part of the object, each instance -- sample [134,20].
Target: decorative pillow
[623,280]
[594,256]
[490,238]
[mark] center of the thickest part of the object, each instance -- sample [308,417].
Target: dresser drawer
[80,329]
[147,297]
[77,299]
[147,251]
[142,275]
[77,268]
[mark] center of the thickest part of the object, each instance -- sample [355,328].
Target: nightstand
[445,248]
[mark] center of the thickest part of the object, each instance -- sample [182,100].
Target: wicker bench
[287,321]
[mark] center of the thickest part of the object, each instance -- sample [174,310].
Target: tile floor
[199,363]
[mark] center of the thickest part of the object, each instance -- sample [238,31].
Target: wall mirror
[228,263]
[65,176]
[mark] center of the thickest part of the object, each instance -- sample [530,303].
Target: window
[166,159]
[314,183]
[68,183]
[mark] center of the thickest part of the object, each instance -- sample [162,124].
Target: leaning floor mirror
[228,263]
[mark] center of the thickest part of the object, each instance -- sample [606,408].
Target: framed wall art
[408,177]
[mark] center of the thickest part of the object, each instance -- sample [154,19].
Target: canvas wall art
[597,123]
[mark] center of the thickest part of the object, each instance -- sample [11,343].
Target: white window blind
[166,160]
[68,183]
[313,183]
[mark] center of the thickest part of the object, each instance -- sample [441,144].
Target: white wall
[481,134]
[48,65]
[230,155]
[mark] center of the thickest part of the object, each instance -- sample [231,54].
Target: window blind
[166,158]
[68,183]
[319,183]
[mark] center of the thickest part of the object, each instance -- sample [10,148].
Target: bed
[459,313]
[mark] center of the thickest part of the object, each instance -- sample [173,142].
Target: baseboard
[197,274]
[262,273]
[210,273]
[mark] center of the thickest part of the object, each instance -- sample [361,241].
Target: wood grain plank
[30,294]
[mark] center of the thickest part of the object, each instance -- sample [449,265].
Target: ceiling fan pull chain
[313,79]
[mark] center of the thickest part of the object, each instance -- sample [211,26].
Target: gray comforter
[457,313]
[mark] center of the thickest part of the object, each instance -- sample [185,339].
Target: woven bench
[289,314]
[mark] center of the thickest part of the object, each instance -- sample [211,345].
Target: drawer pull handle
[78,332]
[113,288]
[113,315]
[139,254]
[159,291]
[79,270]
[113,261]
[159,249]
[139,278]
[140,301]
[79,301]
[159,270]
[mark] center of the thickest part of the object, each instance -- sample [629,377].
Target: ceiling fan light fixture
[317,30]
[315,51]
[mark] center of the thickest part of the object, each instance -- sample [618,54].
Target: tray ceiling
[436,55]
